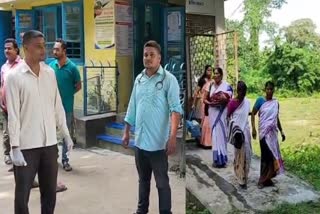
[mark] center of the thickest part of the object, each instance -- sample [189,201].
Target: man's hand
[69,143]
[171,146]
[125,139]
[17,157]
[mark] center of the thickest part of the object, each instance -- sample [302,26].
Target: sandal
[61,187]
[7,160]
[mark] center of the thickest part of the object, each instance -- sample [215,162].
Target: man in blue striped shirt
[154,109]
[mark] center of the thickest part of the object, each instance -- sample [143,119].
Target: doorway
[160,21]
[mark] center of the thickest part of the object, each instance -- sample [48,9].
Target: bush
[304,161]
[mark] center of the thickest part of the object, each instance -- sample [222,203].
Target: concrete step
[116,129]
[114,143]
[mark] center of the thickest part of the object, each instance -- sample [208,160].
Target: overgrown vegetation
[290,58]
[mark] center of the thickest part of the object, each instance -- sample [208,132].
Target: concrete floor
[218,190]
[102,182]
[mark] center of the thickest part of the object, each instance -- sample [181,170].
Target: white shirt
[34,107]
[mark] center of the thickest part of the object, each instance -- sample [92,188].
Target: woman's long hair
[202,80]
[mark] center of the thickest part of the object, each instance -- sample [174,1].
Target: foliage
[292,58]
[302,160]
[256,13]
[294,68]
[302,33]
[310,207]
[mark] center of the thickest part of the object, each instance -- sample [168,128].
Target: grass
[310,208]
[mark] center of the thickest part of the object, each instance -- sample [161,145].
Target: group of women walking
[224,117]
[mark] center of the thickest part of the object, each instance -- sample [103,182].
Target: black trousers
[44,162]
[156,162]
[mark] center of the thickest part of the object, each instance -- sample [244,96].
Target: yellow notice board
[104,24]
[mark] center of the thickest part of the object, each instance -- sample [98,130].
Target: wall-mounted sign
[104,24]
[201,7]
[124,28]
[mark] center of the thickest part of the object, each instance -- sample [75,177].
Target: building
[101,34]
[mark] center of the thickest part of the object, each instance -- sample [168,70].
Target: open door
[6,32]
[174,35]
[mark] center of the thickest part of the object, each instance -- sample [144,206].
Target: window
[24,22]
[47,23]
[73,29]
[56,21]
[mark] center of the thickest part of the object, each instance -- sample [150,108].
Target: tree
[256,13]
[294,68]
[302,33]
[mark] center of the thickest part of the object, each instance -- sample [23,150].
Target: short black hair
[153,44]
[14,43]
[269,83]
[31,34]
[63,43]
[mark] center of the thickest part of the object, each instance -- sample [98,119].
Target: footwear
[67,167]
[243,186]
[260,186]
[269,183]
[61,187]
[7,160]
[35,184]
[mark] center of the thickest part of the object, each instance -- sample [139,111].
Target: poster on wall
[124,28]
[174,26]
[104,24]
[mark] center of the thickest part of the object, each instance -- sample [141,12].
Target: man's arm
[174,106]
[77,79]
[130,117]
[60,114]
[13,106]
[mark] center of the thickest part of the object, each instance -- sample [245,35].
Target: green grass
[309,208]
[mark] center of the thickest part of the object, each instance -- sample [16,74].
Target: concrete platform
[102,182]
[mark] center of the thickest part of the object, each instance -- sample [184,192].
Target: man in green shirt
[69,83]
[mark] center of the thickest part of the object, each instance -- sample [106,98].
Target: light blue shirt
[150,108]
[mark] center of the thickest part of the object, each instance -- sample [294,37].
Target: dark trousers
[44,162]
[156,162]
[6,139]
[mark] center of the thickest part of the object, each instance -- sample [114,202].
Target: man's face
[58,51]
[151,58]
[10,52]
[36,49]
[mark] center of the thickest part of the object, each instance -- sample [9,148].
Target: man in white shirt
[34,111]
[11,51]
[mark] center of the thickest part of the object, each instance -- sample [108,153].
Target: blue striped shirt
[150,107]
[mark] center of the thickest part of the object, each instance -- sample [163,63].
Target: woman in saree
[269,123]
[204,81]
[197,105]
[219,93]
[239,133]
